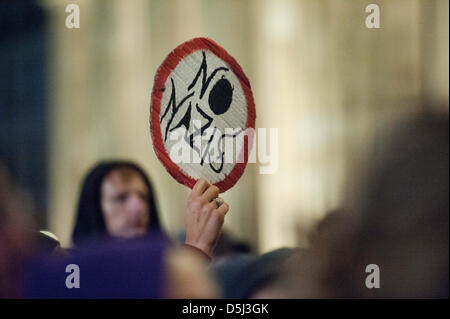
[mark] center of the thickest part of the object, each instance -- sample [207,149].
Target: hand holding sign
[202,105]
[204,216]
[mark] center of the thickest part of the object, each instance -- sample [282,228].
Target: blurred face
[125,203]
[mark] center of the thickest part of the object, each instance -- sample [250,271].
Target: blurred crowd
[398,222]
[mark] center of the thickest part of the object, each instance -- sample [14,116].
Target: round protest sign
[202,115]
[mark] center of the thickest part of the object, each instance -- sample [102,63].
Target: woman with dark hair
[117,200]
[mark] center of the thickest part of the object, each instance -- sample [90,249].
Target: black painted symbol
[219,101]
[220,96]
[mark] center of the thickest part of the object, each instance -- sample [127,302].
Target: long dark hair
[89,223]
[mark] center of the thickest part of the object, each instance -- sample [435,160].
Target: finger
[211,193]
[215,203]
[211,206]
[200,186]
[219,201]
[223,209]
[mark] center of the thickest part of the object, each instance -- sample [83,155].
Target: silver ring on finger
[218,201]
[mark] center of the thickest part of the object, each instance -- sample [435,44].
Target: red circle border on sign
[168,65]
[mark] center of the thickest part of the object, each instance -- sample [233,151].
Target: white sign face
[202,109]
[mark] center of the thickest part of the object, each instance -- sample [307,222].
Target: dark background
[23,111]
